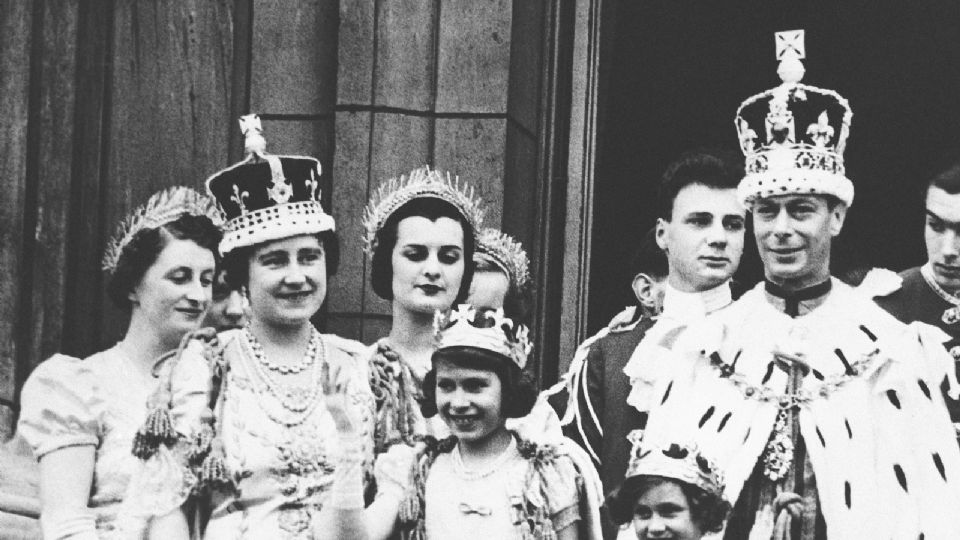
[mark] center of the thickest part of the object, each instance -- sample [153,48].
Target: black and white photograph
[479,269]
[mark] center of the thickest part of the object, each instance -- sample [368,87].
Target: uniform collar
[685,306]
[793,302]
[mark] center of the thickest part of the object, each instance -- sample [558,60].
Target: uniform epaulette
[624,321]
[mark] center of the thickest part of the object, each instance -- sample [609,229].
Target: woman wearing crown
[420,234]
[484,477]
[240,416]
[502,275]
[80,416]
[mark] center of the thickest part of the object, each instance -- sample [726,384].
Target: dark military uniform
[916,300]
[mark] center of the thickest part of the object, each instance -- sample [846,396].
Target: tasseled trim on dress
[396,394]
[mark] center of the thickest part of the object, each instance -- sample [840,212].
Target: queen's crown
[267,197]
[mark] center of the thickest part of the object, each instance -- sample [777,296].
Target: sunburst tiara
[488,329]
[161,208]
[420,183]
[505,252]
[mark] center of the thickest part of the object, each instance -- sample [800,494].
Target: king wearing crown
[821,409]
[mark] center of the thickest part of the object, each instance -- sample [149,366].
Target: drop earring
[244,298]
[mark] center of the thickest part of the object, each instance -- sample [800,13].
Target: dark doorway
[674,74]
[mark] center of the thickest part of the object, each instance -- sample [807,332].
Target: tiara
[489,330]
[420,183]
[677,461]
[804,133]
[161,208]
[267,197]
[505,252]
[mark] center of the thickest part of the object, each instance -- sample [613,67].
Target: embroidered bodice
[529,492]
[279,443]
[285,470]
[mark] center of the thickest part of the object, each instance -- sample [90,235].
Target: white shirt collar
[686,306]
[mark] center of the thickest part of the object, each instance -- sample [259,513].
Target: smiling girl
[669,493]
[80,416]
[484,480]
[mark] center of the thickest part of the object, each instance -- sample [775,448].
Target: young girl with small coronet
[669,492]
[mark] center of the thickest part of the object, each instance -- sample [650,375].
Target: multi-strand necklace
[298,402]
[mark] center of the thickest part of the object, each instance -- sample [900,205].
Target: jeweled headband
[420,183]
[489,330]
[506,253]
[160,209]
[678,461]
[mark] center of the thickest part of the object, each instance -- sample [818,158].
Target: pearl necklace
[472,474]
[285,369]
[298,401]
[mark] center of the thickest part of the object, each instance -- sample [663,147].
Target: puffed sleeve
[562,485]
[61,406]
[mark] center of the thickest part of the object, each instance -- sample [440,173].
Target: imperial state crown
[793,136]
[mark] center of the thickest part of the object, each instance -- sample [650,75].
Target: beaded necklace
[298,402]
[475,474]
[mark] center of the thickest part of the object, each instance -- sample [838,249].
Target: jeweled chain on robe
[797,474]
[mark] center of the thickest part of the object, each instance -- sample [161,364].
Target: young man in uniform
[683,273]
[931,293]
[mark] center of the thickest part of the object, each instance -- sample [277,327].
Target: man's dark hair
[519,392]
[946,176]
[716,169]
[649,258]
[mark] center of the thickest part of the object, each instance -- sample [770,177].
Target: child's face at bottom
[663,512]
[469,401]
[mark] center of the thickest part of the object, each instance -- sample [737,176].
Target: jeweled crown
[420,183]
[267,197]
[160,209]
[794,135]
[488,329]
[506,253]
[682,462]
